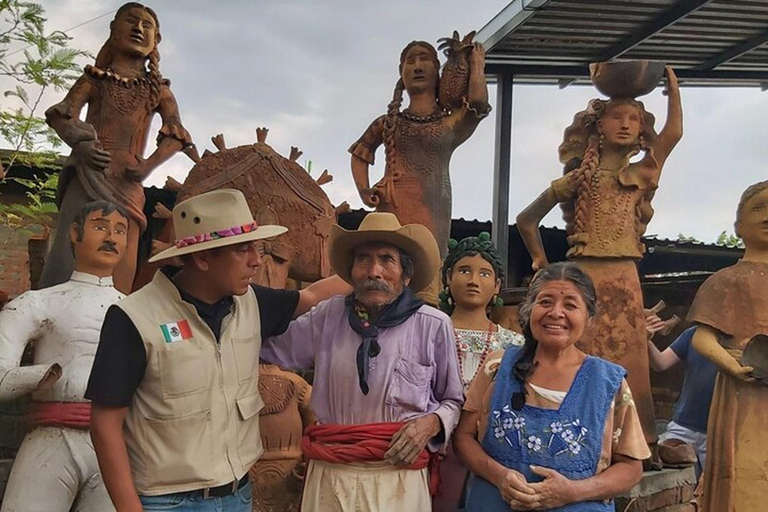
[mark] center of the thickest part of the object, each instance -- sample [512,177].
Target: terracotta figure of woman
[606,202]
[418,144]
[731,316]
[124,89]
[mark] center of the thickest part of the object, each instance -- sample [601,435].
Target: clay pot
[626,79]
[756,355]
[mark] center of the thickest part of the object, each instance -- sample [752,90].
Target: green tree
[32,62]
[729,240]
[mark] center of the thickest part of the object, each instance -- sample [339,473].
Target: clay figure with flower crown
[123,90]
[472,274]
[731,316]
[443,112]
[606,202]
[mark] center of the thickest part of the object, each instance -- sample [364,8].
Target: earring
[497,301]
[600,142]
[641,143]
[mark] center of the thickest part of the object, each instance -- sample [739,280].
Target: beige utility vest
[194,421]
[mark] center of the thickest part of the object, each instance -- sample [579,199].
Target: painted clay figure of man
[56,467]
[387,390]
[606,202]
[123,90]
[730,309]
[418,144]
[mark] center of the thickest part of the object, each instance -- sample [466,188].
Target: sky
[317,72]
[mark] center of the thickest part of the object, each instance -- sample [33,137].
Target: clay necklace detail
[483,354]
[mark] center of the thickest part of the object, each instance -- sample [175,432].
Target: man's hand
[408,442]
[516,491]
[51,376]
[555,491]
[653,323]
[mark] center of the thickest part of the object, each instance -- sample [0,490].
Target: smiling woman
[546,426]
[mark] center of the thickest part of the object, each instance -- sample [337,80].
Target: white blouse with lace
[473,345]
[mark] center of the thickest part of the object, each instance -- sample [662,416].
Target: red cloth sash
[59,414]
[342,444]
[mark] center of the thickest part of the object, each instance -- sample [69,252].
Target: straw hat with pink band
[214,219]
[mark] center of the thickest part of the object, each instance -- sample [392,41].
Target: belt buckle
[233,489]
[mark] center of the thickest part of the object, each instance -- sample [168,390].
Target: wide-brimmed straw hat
[416,240]
[214,219]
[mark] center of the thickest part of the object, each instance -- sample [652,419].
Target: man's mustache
[109,247]
[374,284]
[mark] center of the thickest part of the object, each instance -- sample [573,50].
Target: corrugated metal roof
[715,42]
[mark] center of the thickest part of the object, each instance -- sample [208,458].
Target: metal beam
[502,167]
[508,19]
[733,52]
[675,13]
[575,72]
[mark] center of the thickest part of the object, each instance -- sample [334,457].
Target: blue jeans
[240,501]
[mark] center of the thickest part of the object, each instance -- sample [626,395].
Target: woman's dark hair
[562,271]
[470,246]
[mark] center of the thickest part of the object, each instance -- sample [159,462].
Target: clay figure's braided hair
[155,78]
[393,109]
[470,246]
[580,154]
[561,271]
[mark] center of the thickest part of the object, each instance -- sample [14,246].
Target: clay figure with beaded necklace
[123,90]
[472,274]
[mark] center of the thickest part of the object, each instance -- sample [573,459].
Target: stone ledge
[668,490]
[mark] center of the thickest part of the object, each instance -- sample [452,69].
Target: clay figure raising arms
[606,202]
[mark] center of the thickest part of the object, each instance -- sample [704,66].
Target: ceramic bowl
[626,79]
[756,355]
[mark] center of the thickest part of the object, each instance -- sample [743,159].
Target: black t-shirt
[121,358]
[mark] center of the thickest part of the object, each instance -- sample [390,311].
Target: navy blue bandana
[393,314]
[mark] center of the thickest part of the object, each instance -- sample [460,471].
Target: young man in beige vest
[175,381]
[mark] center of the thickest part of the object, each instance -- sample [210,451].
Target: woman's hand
[555,491]
[89,154]
[672,85]
[516,491]
[370,196]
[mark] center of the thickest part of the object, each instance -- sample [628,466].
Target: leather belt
[224,489]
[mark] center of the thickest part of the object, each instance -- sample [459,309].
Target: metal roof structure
[708,42]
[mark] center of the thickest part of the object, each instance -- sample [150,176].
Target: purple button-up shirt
[416,372]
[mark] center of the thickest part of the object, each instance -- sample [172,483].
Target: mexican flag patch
[176,331]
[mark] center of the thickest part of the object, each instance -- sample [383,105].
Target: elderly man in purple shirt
[387,390]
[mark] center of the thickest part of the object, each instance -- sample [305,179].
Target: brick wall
[14,263]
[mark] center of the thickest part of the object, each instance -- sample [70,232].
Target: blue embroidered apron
[568,440]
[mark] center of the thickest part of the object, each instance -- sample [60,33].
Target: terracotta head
[624,122]
[752,216]
[419,67]
[472,273]
[134,30]
[99,235]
